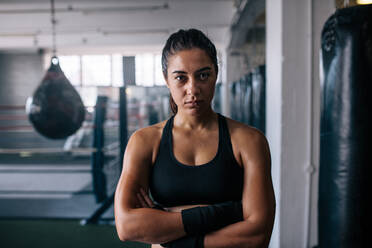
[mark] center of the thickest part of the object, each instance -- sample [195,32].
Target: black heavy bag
[238,100]
[259,98]
[243,86]
[217,98]
[56,109]
[232,88]
[345,156]
[247,104]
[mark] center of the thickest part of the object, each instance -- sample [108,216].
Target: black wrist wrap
[201,220]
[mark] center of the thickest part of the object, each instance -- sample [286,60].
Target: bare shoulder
[248,142]
[147,139]
[244,133]
[150,133]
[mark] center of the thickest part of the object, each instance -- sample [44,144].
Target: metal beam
[244,21]
[86,10]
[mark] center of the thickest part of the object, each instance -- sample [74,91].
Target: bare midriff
[176,209]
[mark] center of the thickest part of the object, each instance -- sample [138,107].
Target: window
[93,70]
[88,95]
[159,78]
[96,70]
[107,70]
[148,70]
[89,72]
[117,70]
[70,65]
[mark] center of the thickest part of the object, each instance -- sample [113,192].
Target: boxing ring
[73,177]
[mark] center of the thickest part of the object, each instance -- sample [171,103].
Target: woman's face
[191,80]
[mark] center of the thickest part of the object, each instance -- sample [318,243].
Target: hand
[144,200]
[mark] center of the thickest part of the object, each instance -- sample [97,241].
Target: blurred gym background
[58,192]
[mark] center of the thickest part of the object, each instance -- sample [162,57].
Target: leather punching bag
[259,98]
[345,156]
[243,89]
[232,88]
[238,100]
[247,111]
[56,109]
[217,98]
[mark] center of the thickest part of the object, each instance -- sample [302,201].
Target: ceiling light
[364,1]
[136,31]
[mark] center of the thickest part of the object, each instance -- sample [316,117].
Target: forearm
[201,220]
[240,234]
[149,225]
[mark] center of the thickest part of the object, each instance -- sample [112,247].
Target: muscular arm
[141,224]
[258,198]
[155,226]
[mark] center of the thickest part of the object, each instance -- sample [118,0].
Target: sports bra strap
[166,132]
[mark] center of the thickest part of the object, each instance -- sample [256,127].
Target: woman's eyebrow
[182,72]
[200,70]
[203,69]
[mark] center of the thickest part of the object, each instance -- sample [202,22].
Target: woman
[210,174]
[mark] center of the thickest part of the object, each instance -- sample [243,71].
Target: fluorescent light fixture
[86,10]
[136,31]
[364,1]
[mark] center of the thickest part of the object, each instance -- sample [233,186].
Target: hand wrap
[201,220]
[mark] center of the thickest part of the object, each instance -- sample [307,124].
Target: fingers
[147,198]
[141,200]
[144,199]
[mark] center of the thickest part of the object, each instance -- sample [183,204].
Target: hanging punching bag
[55,109]
[247,110]
[243,85]
[217,98]
[258,98]
[232,88]
[345,156]
[238,100]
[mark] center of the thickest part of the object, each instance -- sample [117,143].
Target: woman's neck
[195,122]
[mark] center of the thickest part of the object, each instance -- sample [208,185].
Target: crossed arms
[137,221]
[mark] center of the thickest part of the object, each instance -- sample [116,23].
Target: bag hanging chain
[53,20]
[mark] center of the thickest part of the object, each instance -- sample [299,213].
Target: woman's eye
[180,78]
[204,76]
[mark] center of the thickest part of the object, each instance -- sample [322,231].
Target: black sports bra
[173,183]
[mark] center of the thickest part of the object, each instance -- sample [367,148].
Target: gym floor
[56,233]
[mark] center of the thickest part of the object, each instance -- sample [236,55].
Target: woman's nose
[192,88]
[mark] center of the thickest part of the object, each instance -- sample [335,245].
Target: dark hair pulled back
[184,40]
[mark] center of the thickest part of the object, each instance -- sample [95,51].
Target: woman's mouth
[193,104]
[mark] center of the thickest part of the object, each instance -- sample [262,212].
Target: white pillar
[292,46]
[321,10]
[273,102]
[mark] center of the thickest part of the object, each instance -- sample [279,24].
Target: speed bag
[345,144]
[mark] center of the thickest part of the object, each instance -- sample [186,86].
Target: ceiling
[111,24]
